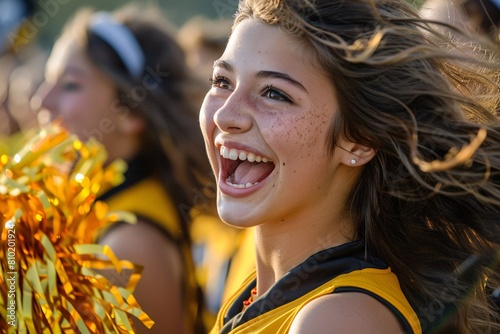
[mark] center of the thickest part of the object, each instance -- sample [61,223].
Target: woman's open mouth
[242,169]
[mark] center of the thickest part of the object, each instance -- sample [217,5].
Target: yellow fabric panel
[148,198]
[222,244]
[242,263]
[219,322]
[218,242]
[278,321]
[385,286]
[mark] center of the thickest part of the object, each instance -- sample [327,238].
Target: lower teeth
[241,186]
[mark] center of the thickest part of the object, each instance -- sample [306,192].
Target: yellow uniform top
[322,274]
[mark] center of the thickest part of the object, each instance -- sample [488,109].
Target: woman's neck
[282,246]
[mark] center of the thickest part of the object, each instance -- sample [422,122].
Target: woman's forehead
[253,38]
[62,53]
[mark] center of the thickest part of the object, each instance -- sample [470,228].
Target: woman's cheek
[208,112]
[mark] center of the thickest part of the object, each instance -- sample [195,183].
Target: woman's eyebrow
[223,64]
[263,74]
[74,70]
[282,76]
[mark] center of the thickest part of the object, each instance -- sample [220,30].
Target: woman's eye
[276,94]
[70,86]
[220,82]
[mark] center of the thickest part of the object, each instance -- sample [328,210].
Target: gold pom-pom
[49,216]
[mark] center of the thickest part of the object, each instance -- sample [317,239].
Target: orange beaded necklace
[249,301]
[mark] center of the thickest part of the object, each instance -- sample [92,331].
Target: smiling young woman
[366,157]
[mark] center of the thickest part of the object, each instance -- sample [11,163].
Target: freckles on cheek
[310,132]
[305,133]
[273,129]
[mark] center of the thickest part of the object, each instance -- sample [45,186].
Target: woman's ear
[354,154]
[361,154]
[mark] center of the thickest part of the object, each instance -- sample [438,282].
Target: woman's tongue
[252,172]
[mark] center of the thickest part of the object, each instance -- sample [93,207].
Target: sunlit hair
[431,196]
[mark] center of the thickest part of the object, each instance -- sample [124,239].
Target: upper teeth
[234,154]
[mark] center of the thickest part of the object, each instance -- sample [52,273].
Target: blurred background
[28,29]
[48,16]
[177,11]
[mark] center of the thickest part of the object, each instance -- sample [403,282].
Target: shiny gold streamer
[50,269]
[454,157]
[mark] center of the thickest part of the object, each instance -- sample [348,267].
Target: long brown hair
[428,203]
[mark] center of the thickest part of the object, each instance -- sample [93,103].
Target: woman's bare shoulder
[349,312]
[142,243]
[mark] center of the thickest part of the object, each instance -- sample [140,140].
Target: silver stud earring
[353,161]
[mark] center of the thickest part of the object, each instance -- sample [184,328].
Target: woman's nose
[43,102]
[235,115]
[44,97]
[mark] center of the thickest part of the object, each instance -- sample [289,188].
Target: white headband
[121,39]
[496,3]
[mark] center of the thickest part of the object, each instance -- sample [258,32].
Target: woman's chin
[234,216]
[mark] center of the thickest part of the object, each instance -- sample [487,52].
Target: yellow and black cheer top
[334,270]
[145,196]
